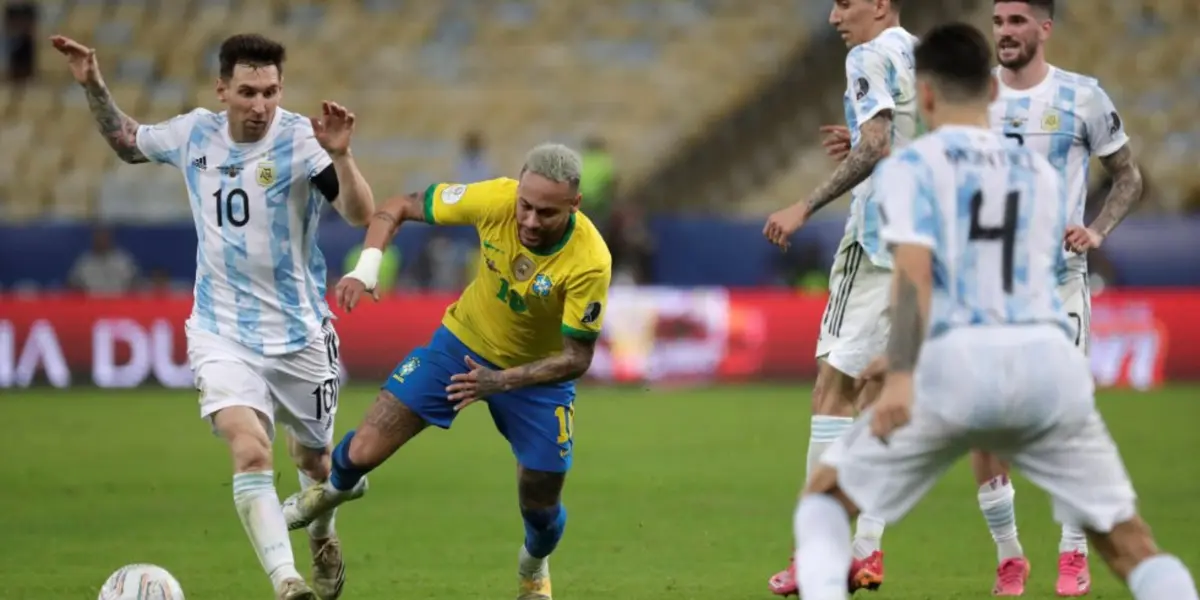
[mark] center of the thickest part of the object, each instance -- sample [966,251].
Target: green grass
[674,494]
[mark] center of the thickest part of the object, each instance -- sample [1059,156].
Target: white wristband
[367,268]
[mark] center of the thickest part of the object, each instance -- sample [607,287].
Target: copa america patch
[1114,123]
[861,87]
[452,194]
[590,313]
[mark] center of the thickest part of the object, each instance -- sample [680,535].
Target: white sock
[1162,577]
[322,527]
[1073,540]
[258,506]
[823,433]
[822,548]
[996,503]
[868,535]
[528,565]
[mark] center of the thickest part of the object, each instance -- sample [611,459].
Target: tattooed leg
[389,424]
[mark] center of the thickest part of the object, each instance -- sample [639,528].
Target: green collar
[562,242]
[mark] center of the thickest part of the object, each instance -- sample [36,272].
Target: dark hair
[252,50]
[958,57]
[1046,5]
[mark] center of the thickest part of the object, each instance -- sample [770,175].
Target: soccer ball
[141,582]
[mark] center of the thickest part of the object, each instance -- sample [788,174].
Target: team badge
[861,87]
[523,268]
[406,368]
[591,313]
[265,174]
[542,284]
[1051,121]
[452,194]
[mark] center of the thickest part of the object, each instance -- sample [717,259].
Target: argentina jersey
[993,216]
[1066,118]
[260,278]
[880,76]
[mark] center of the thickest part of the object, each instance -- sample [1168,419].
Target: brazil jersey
[522,301]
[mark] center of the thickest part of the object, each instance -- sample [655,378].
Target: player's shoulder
[589,251]
[1065,78]
[201,117]
[882,47]
[294,123]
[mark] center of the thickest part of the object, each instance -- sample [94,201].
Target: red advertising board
[651,334]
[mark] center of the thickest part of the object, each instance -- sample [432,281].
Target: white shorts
[1077,301]
[855,327]
[300,390]
[1030,401]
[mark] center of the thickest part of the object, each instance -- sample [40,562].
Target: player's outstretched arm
[874,144]
[381,228]
[118,129]
[333,130]
[1126,190]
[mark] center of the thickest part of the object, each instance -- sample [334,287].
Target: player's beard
[1025,53]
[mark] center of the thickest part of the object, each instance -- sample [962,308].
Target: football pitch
[674,494]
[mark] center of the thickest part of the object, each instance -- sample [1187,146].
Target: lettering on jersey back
[989,158]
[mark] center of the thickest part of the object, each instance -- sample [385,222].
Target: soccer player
[980,353]
[1067,118]
[880,115]
[520,334]
[259,337]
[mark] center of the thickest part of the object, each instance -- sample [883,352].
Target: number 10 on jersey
[227,209]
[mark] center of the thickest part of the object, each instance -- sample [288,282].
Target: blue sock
[543,529]
[345,475]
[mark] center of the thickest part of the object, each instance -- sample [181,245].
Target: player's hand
[1080,239]
[836,141]
[350,290]
[80,59]
[782,224]
[894,408]
[474,385]
[334,128]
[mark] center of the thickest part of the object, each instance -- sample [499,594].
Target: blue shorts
[537,421]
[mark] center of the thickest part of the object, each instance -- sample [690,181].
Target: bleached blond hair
[555,162]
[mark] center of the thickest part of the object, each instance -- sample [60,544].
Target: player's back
[993,217]
[260,278]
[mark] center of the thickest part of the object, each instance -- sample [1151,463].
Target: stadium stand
[642,73]
[1145,54]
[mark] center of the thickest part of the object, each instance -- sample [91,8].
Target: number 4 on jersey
[1006,233]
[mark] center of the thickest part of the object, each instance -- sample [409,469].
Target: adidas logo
[201,163]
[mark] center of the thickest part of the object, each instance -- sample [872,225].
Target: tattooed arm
[875,141]
[912,283]
[386,221]
[570,364]
[1126,190]
[118,129]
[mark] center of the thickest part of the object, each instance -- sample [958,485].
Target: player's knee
[539,490]
[1126,546]
[243,429]
[823,480]
[833,394]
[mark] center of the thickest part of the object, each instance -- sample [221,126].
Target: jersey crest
[265,173]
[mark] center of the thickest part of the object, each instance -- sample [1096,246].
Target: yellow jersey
[522,301]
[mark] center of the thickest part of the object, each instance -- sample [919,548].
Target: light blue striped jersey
[260,279]
[992,214]
[1067,118]
[880,76]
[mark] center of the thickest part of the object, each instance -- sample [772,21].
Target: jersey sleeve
[1105,130]
[907,204]
[165,142]
[867,77]
[583,310]
[460,203]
